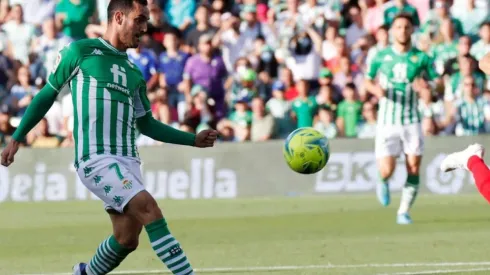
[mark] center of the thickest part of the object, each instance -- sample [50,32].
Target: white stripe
[119,127]
[107,251]
[166,255]
[110,249]
[381,111]
[161,240]
[166,247]
[47,80]
[103,264]
[389,107]
[128,133]
[109,46]
[179,266]
[107,124]
[79,113]
[439,271]
[408,107]
[185,271]
[293,267]
[92,110]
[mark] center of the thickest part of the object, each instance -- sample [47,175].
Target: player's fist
[206,138]
[9,152]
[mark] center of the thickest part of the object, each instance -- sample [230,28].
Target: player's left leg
[413,146]
[112,251]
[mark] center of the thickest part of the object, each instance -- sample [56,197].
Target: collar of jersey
[400,53]
[111,47]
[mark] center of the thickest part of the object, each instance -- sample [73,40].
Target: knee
[385,171]
[128,241]
[413,169]
[144,208]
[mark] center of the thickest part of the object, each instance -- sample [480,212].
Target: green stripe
[181,269]
[96,265]
[101,262]
[171,266]
[99,125]
[125,126]
[85,118]
[413,109]
[94,268]
[113,125]
[403,102]
[75,117]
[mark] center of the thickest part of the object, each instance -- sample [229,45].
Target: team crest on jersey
[127,184]
[414,58]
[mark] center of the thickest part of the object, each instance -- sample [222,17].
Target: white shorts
[115,180]
[392,139]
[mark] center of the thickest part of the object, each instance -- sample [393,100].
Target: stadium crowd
[254,69]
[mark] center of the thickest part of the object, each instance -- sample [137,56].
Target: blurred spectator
[287,78]
[157,27]
[325,123]
[399,7]
[48,45]
[472,111]
[329,49]
[431,110]
[349,112]
[356,29]
[171,68]
[180,13]
[374,15]
[23,92]
[304,106]
[367,127]
[347,73]
[470,15]
[241,119]
[202,27]
[19,34]
[6,128]
[72,16]
[325,97]
[455,85]
[445,46]
[263,124]
[437,15]
[382,41]
[146,61]
[38,11]
[229,37]
[482,46]
[280,109]
[97,30]
[208,70]
[451,66]
[305,60]
[41,138]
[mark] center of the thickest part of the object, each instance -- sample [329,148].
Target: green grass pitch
[335,235]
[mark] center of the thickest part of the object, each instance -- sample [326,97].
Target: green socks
[409,193]
[108,256]
[168,248]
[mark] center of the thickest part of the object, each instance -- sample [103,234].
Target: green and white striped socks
[168,248]
[409,193]
[108,256]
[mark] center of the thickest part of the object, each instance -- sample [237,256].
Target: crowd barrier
[233,171]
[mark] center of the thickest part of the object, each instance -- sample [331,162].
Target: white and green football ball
[306,150]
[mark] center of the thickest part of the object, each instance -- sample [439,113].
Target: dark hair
[351,86]
[486,23]
[404,15]
[122,5]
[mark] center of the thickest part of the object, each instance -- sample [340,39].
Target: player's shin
[108,256]
[481,174]
[409,193]
[168,248]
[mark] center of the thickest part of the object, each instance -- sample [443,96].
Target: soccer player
[109,101]
[399,122]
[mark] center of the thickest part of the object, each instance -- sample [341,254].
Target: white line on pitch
[440,271]
[290,267]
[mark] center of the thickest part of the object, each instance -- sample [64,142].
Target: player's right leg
[471,159]
[387,148]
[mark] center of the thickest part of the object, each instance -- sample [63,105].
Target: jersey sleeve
[373,68]
[66,66]
[430,67]
[141,102]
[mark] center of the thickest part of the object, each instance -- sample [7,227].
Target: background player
[399,127]
[485,64]
[109,99]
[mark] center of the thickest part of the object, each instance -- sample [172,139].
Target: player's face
[134,25]
[402,31]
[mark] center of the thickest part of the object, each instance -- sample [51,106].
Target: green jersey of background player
[109,101]
[399,68]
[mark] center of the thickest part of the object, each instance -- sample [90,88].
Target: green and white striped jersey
[109,94]
[397,71]
[470,116]
[479,49]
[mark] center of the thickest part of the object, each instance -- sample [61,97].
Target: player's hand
[206,138]
[9,152]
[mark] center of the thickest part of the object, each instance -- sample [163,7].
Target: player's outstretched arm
[485,64]
[156,130]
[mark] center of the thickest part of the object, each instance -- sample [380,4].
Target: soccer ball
[306,150]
